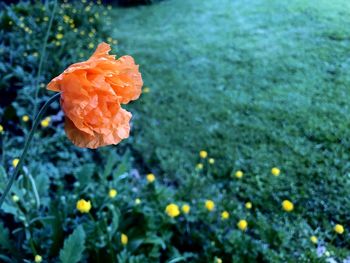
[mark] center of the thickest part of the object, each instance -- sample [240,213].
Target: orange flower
[92,92]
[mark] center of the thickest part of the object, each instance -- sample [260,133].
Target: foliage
[275,63]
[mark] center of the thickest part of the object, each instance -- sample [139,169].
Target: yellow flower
[248,205]
[15,162]
[83,206]
[137,201]
[210,205]
[91,34]
[109,40]
[172,210]
[199,166]
[225,215]
[239,174]
[211,160]
[112,193]
[91,45]
[1,129]
[25,118]
[218,260]
[82,32]
[59,36]
[38,258]
[150,178]
[186,208]
[146,90]
[45,122]
[275,171]
[124,239]
[15,198]
[339,229]
[287,206]
[57,43]
[314,239]
[203,154]
[46,19]
[60,28]
[242,224]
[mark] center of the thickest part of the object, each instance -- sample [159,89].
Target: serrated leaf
[73,247]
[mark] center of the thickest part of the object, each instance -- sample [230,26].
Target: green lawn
[256,84]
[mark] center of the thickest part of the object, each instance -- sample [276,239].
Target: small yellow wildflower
[225,215]
[239,174]
[25,118]
[82,32]
[59,36]
[15,198]
[46,18]
[211,160]
[91,34]
[218,260]
[275,171]
[287,206]
[57,43]
[109,40]
[91,45]
[45,122]
[186,208]
[137,201]
[199,166]
[146,90]
[124,239]
[248,205]
[35,54]
[242,224]
[83,206]
[314,239]
[15,162]
[172,210]
[210,205]
[203,154]
[38,258]
[339,229]
[150,178]
[1,129]
[112,193]
[75,30]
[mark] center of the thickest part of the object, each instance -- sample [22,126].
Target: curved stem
[42,57]
[26,146]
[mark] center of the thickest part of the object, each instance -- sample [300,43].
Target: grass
[257,85]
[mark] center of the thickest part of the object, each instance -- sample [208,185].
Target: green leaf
[85,173]
[5,241]
[3,177]
[73,247]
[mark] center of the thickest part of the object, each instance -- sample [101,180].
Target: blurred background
[244,106]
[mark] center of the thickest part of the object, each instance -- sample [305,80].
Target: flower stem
[26,146]
[42,57]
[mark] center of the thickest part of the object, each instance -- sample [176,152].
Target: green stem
[42,57]
[26,146]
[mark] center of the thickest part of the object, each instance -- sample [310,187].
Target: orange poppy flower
[92,92]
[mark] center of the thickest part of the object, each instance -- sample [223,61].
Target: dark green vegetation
[257,84]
